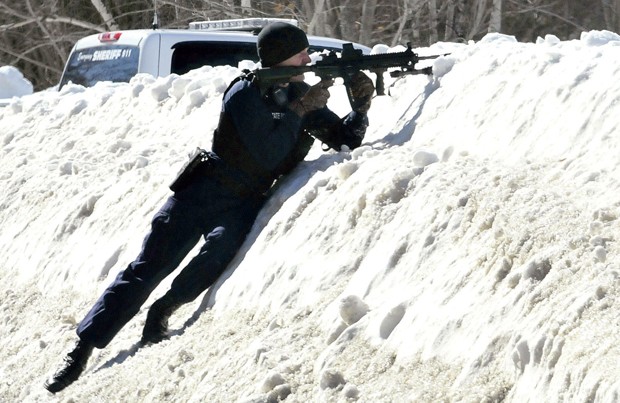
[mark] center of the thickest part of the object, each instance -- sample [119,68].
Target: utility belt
[204,163]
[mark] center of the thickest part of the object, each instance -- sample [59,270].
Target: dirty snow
[466,252]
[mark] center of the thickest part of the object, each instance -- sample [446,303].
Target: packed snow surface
[13,83]
[467,252]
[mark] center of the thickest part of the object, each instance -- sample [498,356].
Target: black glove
[360,90]
[315,98]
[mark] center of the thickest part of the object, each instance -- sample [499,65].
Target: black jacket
[259,138]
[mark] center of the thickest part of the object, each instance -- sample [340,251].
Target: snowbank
[466,252]
[13,83]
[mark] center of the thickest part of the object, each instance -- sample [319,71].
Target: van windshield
[117,63]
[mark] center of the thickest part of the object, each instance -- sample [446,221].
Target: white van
[118,56]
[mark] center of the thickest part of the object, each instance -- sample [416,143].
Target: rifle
[350,62]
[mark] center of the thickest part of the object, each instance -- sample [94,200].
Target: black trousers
[203,209]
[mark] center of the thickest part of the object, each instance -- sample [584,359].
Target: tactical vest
[228,146]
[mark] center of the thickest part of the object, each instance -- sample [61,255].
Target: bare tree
[246,6]
[368,17]
[455,20]
[348,16]
[37,35]
[480,15]
[315,15]
[106,16]
[433,21]
[616,26]
[611,13]
[495,23]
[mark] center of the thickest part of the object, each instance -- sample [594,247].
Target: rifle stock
[351,61]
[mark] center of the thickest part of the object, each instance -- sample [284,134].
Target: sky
[466,252]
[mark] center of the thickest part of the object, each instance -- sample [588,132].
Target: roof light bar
[244,24]
[109,36]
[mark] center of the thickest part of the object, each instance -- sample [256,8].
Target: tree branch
[55,19]
[43,28]
[543,10]
[107,18]
[22,56]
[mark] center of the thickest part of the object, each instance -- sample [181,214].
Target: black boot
[156,326]
[74,364]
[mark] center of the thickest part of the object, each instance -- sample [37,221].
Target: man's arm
[350,130]
[335,132]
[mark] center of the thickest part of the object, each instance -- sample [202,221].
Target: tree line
[36,36]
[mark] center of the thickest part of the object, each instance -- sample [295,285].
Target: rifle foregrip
[380,85]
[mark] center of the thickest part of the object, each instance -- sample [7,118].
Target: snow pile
[466,252]
[13,83]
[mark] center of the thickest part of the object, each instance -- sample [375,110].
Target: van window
[320,49]
[117,63]
[187,56]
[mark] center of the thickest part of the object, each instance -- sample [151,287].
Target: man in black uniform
[260,137]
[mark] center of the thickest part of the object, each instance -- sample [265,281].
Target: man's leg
[173,235]
[220,247]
